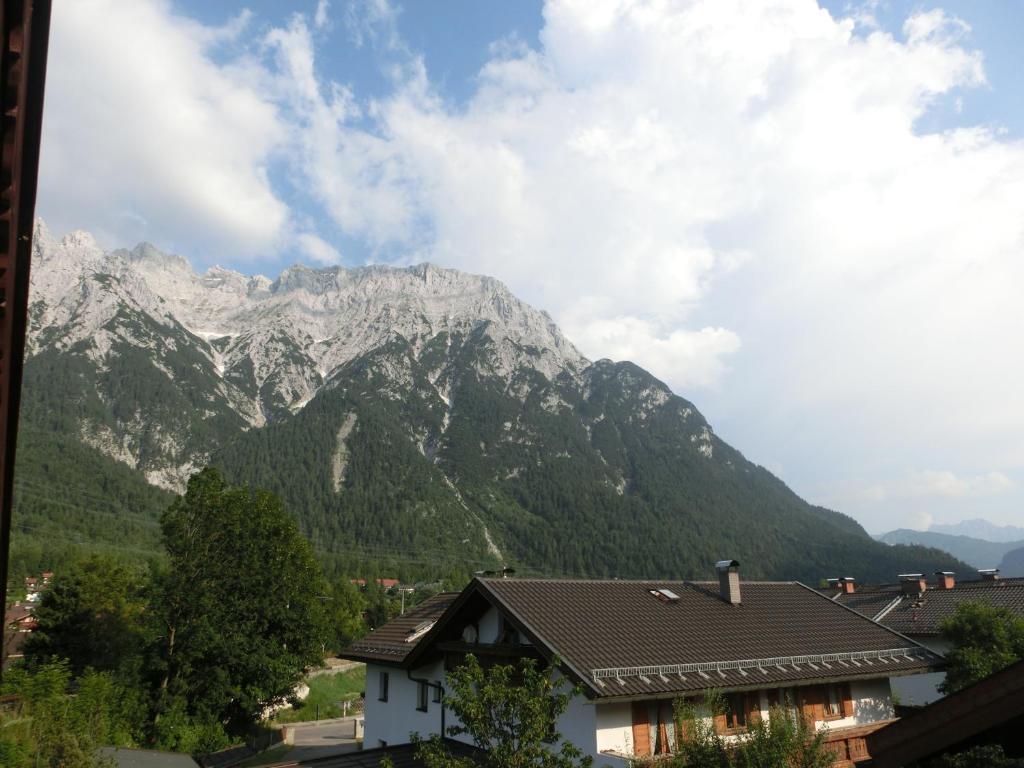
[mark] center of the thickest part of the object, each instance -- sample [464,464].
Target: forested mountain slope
[419,416]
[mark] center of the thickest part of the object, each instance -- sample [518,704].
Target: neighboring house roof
[394,641]
[923,614]
[987,708]
[147,758]
[620,640]
[401,755]
[386,583]
[16,614]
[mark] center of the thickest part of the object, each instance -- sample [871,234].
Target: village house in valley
[916,607]
[636,646]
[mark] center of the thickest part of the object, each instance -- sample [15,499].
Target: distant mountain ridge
[412,415]
[980,528]
[974,551]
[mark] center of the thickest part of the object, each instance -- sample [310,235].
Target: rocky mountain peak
[276,342]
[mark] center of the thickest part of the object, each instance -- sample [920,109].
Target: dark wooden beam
[25,30]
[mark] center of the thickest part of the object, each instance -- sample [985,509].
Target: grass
[326,692]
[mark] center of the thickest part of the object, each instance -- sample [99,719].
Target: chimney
[729,580]
[989,574]
[913,583]
[946,579]
[845,585]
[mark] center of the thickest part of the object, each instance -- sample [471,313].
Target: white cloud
[929,483]
[946,483]
[147,136]
[612,175]
[318,249]
[320,17]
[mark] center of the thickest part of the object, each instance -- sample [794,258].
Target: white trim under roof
[779,662]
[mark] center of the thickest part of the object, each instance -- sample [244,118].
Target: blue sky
[806,219]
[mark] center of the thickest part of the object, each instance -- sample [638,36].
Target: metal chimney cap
[723,565]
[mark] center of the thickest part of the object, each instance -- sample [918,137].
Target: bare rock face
[261,348]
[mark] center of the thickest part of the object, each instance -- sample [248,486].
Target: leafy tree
[986,756]
[345,608]
[92,615]
[239,608]
[509,711]
[985,639]
[781,740]
[49,727]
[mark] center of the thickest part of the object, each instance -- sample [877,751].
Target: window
[421,696]
[833,702]
[382,687]
[836,701]
[437,691]
[739,708]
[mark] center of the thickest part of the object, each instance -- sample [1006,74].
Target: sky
[807,219]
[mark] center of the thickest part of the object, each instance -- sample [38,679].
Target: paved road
[323,740]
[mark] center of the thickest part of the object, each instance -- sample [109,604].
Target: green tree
[985,756]
[784,739]
[49,727]
[92,615]
[345,608]
[985,639]
[239,608]
[509,711]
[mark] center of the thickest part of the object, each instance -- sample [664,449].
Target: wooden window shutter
[844,691]
[753,708]
[811,708]
[721,723]
[641,730]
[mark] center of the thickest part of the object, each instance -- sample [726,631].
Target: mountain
[417,418]
[1012,564]
[977,552]
[980,528]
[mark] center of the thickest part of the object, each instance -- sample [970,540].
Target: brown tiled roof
[601,625]
[401,756]
[923,615]
[391,642]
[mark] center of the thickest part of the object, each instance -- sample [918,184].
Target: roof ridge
[577,580]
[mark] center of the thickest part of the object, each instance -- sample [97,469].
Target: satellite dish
[469,634]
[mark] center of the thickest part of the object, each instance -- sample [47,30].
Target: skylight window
[419,631]
[665,595]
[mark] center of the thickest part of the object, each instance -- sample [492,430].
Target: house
[634,647]
[19,621]
[916,606]
[989,712]
[385,583]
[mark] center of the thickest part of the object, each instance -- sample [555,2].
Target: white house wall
[614,720]
[393,720]
[922,689]
[614,726]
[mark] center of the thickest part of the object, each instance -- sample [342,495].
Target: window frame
[830,690]
[422,697]
[383,683]
[436,698]
[733,714]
